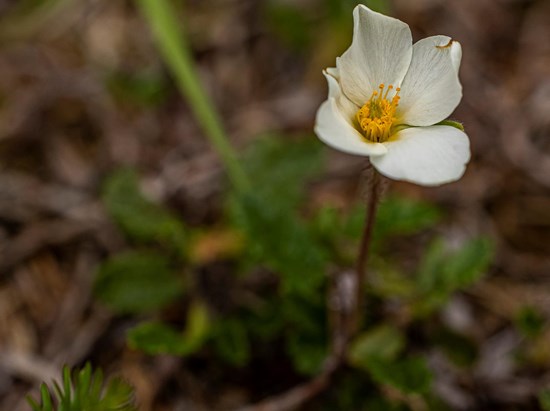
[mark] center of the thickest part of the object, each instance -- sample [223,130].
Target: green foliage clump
[377,351]
[268,215]
[135,282]
[85,390]
[280,239]
[140,219]
[298,252]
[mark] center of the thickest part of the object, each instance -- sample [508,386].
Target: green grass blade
[176,53]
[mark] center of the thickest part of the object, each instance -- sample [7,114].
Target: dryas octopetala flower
[387,96]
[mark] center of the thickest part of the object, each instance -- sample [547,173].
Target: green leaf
[231,341]
[157,338]
[396,216]
[46,398]
[136,282]
[167,31]
[387,282]
[87,393]
[544,399]
[307,352]
[530,321]
[443,272]
[280,168]
[404,216]
[141,220]
[383,342]
[470,263]
[410,375]
[118,393]
[451,123]
[281,242]
[268,214]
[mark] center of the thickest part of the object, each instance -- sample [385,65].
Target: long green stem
[175,50]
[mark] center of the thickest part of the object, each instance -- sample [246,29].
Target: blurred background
[122,243]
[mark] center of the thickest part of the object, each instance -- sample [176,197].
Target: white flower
[386,97]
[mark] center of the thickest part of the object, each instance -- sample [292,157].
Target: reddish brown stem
[348,320]
[361,267]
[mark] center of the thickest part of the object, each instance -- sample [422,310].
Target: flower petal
[333,124]
[347,108]
[431,90]
[425,155]
[380,52]
[333,71]
[456,54]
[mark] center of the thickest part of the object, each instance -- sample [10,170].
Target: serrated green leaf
[140,219]
[282,243]
[410,375]
[383,342]
[279,169]
[268,214]
[136,282]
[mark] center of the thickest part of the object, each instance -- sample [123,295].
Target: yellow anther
[377,115]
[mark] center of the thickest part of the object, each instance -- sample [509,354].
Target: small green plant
[85,390]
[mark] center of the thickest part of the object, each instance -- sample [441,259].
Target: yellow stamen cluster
[377,115]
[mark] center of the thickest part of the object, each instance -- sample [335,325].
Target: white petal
[379,53]
[333,71]
[333,124]
[456,54]
[431,89]
[425,155]
[347,108]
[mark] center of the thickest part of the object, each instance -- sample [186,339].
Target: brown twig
[300,394]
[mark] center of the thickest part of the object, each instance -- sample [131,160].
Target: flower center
[377,115]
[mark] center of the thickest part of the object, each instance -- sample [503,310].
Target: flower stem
[360,270]
[178,57]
